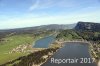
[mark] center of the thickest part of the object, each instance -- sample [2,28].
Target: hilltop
[87,26]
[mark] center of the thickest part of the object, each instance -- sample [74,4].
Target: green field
[12,42]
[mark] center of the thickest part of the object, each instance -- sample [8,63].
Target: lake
[44,42]
[72,54]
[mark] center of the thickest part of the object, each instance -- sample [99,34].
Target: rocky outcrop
[84,26]
[21,48]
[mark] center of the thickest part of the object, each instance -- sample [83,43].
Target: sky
[28,13]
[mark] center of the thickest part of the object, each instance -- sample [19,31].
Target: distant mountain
[79,26]
[39,28]
[56,26]
[36,30]
[90,26]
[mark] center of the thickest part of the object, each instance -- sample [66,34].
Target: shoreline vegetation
[33,59]
[38,56]
[50,51]
[95,52]
[90,37]
[27,50]
[94,49]
[13,46]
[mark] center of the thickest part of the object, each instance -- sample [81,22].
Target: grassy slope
[16,40]
[12,42]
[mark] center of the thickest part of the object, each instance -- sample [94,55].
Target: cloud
[42,4]
[30,20]
[52,17]
[34,6]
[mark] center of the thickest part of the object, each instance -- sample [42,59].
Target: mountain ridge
[44,27]
[90,26]
[77,26]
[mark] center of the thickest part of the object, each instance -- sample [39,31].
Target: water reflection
[70,51]
[44,42]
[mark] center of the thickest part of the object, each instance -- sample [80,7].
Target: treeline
[68,35]
[89,35]
[33,58]
[73,35]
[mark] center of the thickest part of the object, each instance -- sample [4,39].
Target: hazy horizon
[29,13]
[36,26]
[45,25]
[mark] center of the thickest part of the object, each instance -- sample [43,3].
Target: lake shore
[92,49]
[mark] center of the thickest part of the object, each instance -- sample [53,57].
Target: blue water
[72,50]
[44,42]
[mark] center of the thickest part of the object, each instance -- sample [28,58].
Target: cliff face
[83,26]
